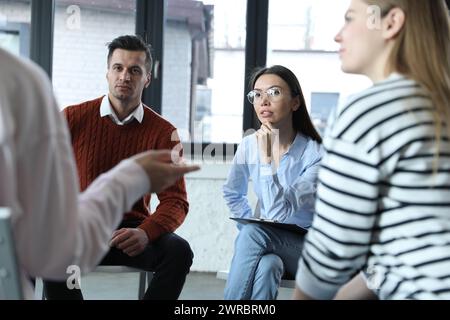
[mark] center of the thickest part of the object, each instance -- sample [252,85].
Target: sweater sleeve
[173,205]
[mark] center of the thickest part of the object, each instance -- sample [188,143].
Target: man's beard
[123,97]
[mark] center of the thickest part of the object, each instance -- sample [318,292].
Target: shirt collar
[298,145]
[107,110]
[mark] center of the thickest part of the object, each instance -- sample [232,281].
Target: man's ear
[393,23]
[149,79]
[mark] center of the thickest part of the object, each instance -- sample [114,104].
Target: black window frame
[41,39]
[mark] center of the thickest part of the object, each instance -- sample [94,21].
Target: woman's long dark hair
[300,118]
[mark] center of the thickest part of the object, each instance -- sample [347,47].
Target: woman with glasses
[282,159]
[383,199]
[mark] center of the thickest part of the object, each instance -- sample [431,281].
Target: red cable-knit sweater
[99,144]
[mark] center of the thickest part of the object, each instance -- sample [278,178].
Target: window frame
[23,30]
[41,39]
[150,24]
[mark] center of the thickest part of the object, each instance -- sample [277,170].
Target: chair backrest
[10,286]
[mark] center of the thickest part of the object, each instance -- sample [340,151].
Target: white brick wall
[79,67]
[79,56]
[177,74]
[207,227]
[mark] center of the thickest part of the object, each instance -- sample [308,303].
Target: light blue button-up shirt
[286,195]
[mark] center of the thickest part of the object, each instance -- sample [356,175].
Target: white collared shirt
[107,110]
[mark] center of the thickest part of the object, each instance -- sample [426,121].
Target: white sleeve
[54,225]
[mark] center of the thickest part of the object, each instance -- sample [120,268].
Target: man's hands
[266,137]
[132,241]
[163,168]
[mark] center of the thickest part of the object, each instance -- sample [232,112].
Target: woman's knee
[251,232]
[271,264]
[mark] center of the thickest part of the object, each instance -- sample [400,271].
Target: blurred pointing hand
[160,168]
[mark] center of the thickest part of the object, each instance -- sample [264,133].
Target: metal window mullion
[255,50]
[41,40]
[150,22]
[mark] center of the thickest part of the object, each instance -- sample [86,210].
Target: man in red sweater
[114,127]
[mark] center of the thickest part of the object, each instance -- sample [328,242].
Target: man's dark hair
[131,43]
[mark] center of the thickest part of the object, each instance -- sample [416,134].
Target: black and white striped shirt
[380,206]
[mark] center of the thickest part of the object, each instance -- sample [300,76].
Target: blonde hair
[422,49]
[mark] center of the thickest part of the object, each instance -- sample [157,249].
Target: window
[304,25]
[82,30]
[203,75]
[301,37]
[204,49]
[321,105]
[15,17]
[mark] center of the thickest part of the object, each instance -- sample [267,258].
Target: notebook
[273,223]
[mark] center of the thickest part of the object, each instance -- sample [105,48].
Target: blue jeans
[262,254]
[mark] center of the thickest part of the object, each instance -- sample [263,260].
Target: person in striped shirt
[383,203]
